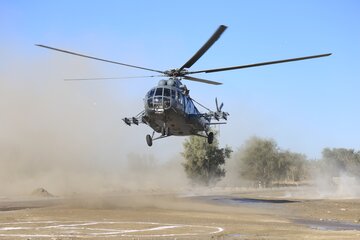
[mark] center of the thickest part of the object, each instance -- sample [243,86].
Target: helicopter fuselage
[169,109]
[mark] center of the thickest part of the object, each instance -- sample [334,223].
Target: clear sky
[305,106]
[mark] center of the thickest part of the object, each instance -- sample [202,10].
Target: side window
[151,93]
[150,102]
[173,93]
[180,97]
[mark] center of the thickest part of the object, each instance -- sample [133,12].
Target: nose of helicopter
[159,99]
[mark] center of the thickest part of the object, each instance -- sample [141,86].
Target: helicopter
[168,108]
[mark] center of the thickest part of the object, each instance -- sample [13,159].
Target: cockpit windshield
[159,92]
[166,92]
[160,97]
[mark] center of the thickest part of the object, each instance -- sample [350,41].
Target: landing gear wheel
[210,138]
[165,131]
[149,140]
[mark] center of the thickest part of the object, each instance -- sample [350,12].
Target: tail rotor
[219,113]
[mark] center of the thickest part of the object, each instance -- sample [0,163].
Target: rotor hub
[176,72]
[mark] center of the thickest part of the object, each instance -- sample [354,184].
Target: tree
[296,169]
[204,162]
[259,161]
[338,160]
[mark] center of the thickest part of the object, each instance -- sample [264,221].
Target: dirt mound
[41,192]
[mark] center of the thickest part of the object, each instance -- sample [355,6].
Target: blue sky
[305,106]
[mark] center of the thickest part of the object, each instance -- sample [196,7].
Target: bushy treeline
[338,161]
[262,163]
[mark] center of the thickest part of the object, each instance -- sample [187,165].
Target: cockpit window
[172,93]
[166,92]
[158,92]
[151,93]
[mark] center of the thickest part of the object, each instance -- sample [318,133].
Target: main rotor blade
[201,80]
[110,78]
[99,59]
[259,64]
[205,47]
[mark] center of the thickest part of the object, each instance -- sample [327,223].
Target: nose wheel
[210,138]
[165,131]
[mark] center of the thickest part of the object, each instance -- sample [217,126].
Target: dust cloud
[68,137]
[324,180]
[323,186]
[343,186]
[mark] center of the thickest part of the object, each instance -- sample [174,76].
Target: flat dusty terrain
[230,214]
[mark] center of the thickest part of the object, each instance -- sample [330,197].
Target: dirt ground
[220,214]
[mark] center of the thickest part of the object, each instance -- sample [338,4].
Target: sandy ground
[230,214]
